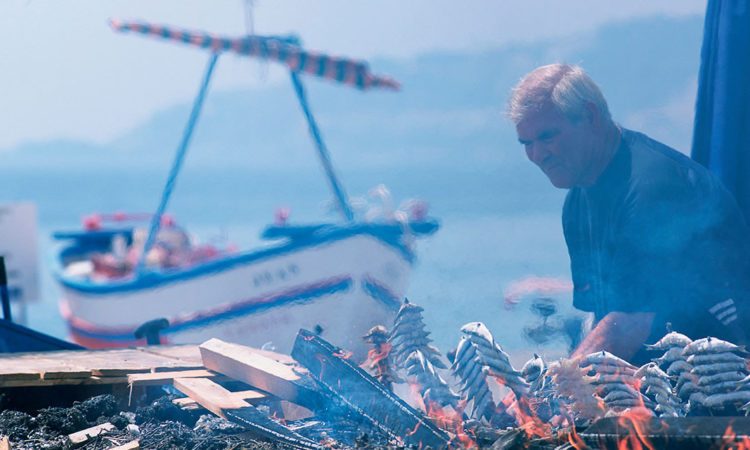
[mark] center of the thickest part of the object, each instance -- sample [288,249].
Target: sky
[66,75]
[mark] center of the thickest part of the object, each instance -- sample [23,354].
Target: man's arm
[619,333]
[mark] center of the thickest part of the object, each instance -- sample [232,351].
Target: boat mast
[325,159]
[177,164]
[288,52]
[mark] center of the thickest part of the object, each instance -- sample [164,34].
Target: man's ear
[592,115]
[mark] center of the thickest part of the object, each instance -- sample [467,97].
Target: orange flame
[575,440]
[379,353]
[635,421]
[450,420]
[730,440]
[520,410]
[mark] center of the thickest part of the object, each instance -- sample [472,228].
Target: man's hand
[619,333]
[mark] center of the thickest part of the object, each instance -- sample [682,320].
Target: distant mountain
[448,117]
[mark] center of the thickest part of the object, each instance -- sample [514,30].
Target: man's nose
[536,152]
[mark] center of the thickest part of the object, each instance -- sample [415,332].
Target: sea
[497,227]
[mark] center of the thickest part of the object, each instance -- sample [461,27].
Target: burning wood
[363,395]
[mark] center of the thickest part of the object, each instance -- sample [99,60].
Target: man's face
[561,148]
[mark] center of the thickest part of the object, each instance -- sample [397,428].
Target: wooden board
[248,365]
[189,355]
[90,366]
[64,382]
[249,396]
[80,437]
[208,394]
[132,445]
[162,378]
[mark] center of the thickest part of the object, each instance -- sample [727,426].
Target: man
[653,237]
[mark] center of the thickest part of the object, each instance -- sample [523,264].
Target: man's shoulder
[654,157]
[657,167]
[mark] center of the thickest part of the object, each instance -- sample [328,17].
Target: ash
[161,425]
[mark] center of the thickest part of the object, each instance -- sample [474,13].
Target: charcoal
[16,425]
[208,423]
[167,435]
[162,409]
[62,420]
[95,407]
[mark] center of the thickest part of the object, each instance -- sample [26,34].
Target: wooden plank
[84,363]
[278,357]
[64,382]
[65,373]
[247,365]
[132,445]
[186,403]
[161,378]
[220,401]
[188,355]
[208,394]
[250,396]
[80,437]
[20,376]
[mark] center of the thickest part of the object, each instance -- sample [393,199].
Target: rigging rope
[341,198]
[177,164]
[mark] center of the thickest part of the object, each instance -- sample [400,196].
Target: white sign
[18,244]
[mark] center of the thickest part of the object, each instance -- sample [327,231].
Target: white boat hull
[344,287]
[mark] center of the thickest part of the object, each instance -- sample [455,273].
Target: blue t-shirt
[659,233]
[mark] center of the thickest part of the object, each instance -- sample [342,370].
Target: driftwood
[364,395]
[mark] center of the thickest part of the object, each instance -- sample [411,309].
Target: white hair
[567,87]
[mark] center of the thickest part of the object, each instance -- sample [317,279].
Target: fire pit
[693,395]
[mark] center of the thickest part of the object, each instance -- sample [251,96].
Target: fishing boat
[338,279]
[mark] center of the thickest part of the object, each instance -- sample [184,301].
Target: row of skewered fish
[690,377]
[711,374]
